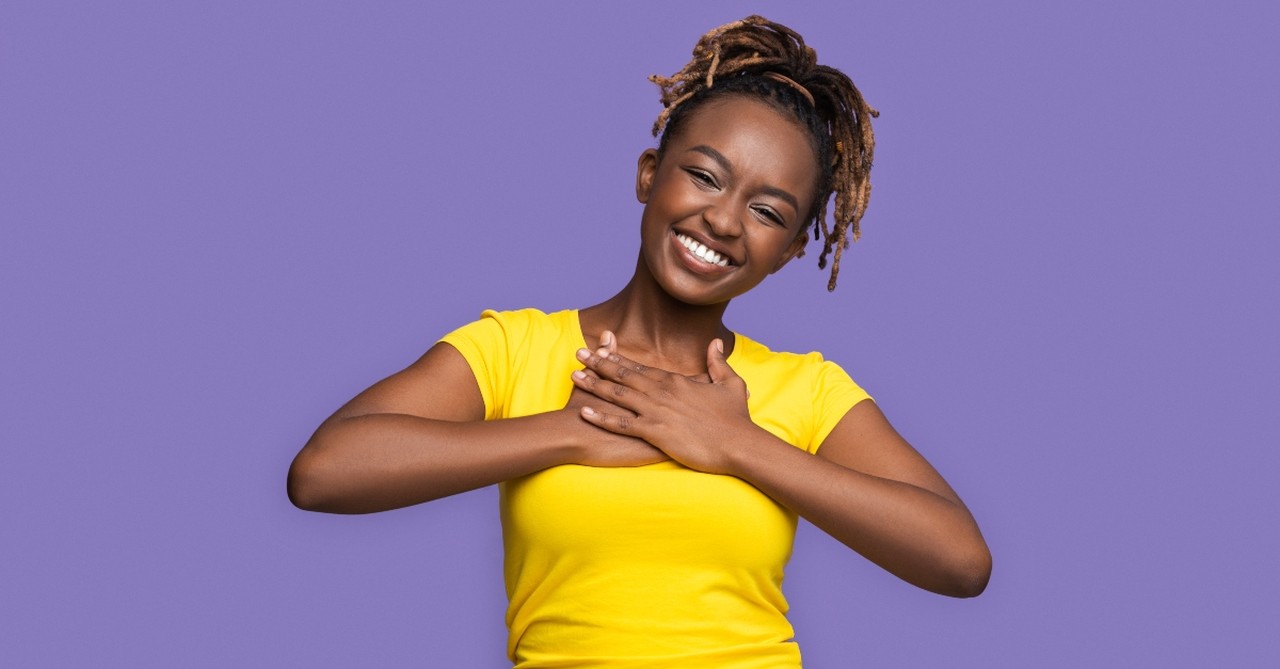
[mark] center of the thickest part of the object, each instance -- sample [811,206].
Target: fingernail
[607,338]
[579,375]
[720,346]
[588,411]
[603,353]
[583,354]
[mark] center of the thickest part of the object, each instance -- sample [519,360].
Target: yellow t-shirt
[654,566]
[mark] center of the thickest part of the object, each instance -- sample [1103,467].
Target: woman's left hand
[868,487]
[693,422]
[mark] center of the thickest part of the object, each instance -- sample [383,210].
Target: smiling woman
[729,185]
[652,463]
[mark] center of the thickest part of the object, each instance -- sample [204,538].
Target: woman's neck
[655,329]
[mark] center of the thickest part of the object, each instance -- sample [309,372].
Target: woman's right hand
[420,434]
[600,447]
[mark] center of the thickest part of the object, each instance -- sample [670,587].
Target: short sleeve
[484,345]
[834,394]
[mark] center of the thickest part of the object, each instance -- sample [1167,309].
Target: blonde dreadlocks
[758,58]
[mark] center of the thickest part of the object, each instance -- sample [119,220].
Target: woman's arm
[420,434]
[867,487]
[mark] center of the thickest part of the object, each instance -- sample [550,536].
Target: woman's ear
[645,169]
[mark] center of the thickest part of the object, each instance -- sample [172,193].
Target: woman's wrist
[755,449]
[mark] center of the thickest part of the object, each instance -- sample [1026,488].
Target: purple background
[221,222]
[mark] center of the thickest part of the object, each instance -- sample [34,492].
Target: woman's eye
[770,215]
[702,178]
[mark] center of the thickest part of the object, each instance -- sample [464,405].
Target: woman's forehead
[750,133]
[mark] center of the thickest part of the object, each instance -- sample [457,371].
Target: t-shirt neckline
[576,316]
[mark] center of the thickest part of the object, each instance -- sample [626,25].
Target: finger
[608,344]
[615,367]
[616,394]
[609,347]
[718,366]
[615,423]
[596,403]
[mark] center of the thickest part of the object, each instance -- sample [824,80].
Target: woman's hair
[758,58]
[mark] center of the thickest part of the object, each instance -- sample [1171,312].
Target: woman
[652,463]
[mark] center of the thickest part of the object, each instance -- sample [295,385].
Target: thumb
[717,367]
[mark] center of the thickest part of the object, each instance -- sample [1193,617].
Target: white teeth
[700,250]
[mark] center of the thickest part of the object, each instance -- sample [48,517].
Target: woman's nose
[722,221]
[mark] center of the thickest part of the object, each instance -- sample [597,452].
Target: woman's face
[726,203]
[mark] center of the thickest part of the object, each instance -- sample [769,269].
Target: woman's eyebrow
[727,167]
[714,155]
[782,195]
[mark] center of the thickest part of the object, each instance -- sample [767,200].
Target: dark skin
[724,206]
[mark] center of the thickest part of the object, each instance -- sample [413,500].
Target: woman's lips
[698,257]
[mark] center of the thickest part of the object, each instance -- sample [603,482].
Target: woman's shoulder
[751,358]
[528,318]
[751,352]
[520,325]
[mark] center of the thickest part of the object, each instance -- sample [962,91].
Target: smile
[702,252]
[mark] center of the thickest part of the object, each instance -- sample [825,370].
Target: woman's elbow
[970,573]
[303,484]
